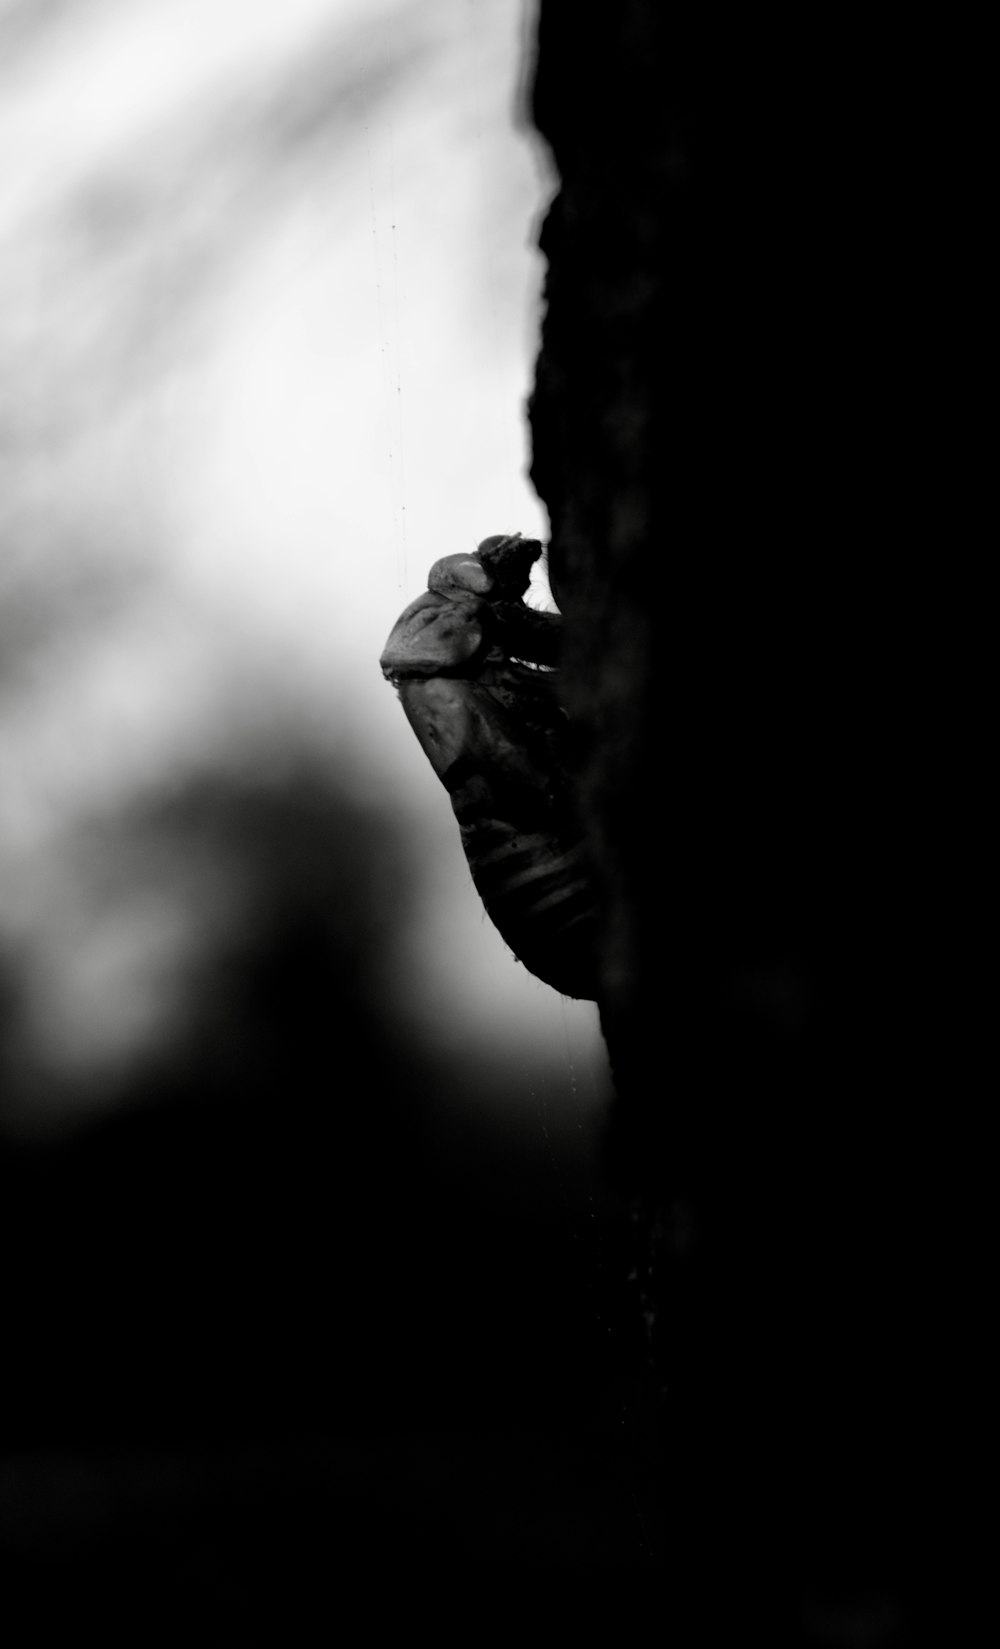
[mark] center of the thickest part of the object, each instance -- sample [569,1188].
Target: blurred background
[267,322]
[286,1133]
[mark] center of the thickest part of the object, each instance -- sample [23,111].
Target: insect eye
[459,572]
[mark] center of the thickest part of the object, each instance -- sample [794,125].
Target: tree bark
[742,426]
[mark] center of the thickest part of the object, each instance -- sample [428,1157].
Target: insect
[475,669]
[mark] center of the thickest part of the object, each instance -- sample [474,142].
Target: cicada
[476,672]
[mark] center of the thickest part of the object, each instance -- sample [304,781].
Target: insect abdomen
[538,893]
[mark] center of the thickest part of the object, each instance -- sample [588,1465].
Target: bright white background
[268,310]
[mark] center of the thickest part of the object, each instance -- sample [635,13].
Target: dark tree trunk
[743,428]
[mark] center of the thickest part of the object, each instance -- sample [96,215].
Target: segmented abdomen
[539,895]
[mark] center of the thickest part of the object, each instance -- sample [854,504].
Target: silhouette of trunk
[741,426]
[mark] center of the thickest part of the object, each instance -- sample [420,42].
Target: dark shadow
[257,1335]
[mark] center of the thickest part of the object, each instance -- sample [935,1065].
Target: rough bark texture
[742,431]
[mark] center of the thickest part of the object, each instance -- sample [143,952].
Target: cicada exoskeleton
[475,669]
